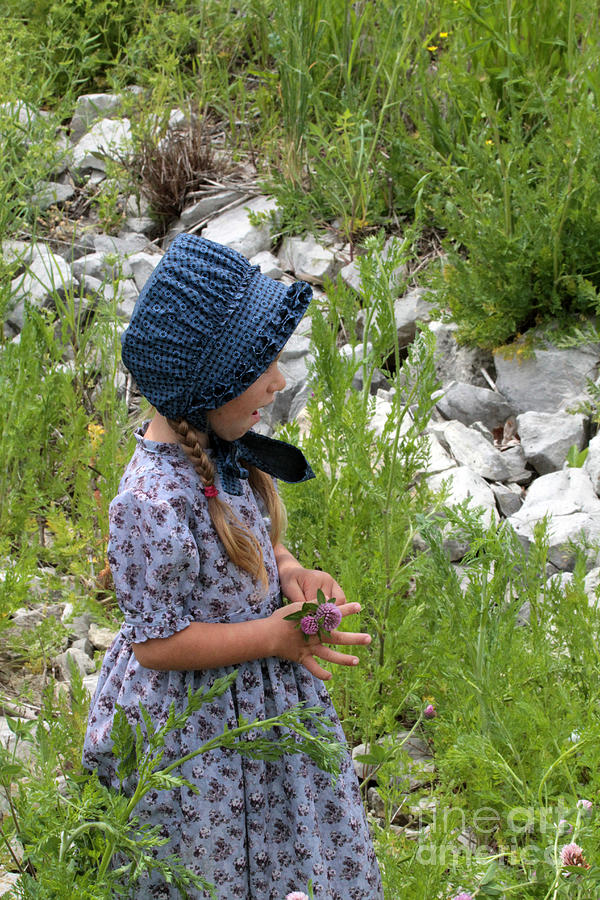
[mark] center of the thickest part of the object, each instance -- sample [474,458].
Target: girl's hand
[300,585]
[288,642]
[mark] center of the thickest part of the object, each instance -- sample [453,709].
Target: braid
[241,545]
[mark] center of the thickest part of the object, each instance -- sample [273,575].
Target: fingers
[348,638]
[294,593]
[315,669]
[334,656]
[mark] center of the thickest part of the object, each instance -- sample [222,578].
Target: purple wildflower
[309,625]
[330,616]
[572,855]
[430,712]
[564,827]
[463,896]
[296,895]
[585,804]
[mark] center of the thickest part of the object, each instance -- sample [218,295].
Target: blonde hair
[240,543]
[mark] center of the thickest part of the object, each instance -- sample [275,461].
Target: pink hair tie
[210,490]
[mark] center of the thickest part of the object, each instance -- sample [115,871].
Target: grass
[472,124]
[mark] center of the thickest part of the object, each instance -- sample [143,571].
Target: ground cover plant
[470,126]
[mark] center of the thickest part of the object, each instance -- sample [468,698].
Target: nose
[279,381]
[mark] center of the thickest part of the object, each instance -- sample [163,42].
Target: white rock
[8,740]
[469,448]
[554,379]
[52,193]
[103,266]
[468,403]
[308,259]
[508,498]
[409,310]
[126,294]
[267,263]
[143,265]
[82,661]
[8,880]
[439,459]
[106,138]
[568,498]
[379,419]
[120,246]
[592,462]
[350,275]
[454,361]
[592,587]
[13,251]
[91,107]
[206,206]
[547,437]
[234,229]
[464,484]
[48,275]
[90,683]
[515,460]
[101,638]
[145,225]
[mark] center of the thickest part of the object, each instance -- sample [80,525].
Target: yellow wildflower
[432,48]
[443,34]
[489,143]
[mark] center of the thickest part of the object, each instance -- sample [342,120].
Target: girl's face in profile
[232,420]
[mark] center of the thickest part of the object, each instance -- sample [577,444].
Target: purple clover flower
[572,855]
[430,712]
[309,625]
[585,805]
[329,615]
[463,896]
[296,895]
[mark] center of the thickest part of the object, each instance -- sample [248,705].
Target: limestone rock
[509,499]
[101,266]
[196,212]
[48,275]
[464,484]
[568,498]
[91,107]
[79,657]
[101,638]
[547,437]
[592,587]
[409,310]
[469,448]
[142,266]
[107,137]
[120,246]
[350,275]
[515,460]
[234,228]
[308,259]
[52,193]
[90,683]
[554,379]
[592,462]
[455,362]
[8,881]
[267,263]
[468,403]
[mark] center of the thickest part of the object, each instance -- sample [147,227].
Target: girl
[199,569]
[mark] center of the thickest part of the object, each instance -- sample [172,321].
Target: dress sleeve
[155,564]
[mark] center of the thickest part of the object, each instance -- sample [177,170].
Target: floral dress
[256,829]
